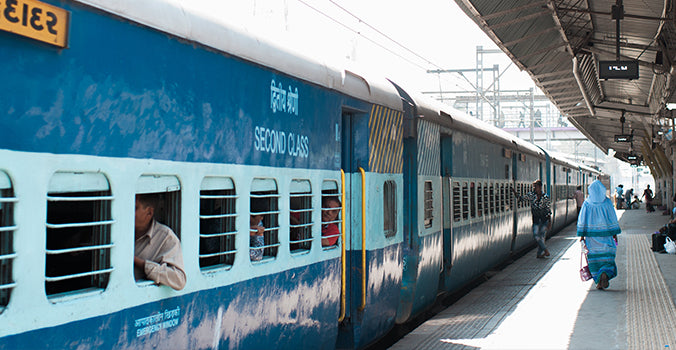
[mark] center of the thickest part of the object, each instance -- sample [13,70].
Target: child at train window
[257,230]
[157,252]
[330,232]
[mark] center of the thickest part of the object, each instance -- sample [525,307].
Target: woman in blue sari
[598,227]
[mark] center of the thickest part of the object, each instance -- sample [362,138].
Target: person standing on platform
[542,215]
[627,198]
[579,198]
[598,227]
[648,194]
[619,196]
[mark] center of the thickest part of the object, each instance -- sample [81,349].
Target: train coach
[104,101]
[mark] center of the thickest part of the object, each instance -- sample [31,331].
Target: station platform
[542,303]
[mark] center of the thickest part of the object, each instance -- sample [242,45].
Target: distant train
[103,100]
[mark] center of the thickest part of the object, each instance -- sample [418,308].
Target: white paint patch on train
[280,142]
[157,321]
[283,100]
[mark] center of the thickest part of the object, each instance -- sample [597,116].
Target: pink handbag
[585,274]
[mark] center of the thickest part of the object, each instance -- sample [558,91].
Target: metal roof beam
[552,74]
[520,19]
[557,81]
[530,36]
[512,10]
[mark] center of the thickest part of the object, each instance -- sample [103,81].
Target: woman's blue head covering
[597,216]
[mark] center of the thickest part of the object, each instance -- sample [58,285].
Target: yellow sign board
[36,20]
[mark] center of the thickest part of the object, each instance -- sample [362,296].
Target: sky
[399,39]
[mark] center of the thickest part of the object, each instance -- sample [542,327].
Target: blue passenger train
[103,100]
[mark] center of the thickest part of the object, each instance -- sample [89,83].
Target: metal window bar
[79,199]
[8,200]
[78,275]
[80,224]
[223,253]
[8,228]
[219,196]
[7,286]
[479,199]
[79,249]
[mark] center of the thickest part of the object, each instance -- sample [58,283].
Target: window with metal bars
[457,202]
[429,205]
[264,217]
[330,193]
[218,216]
[390,208]
[78,233]
[472,201]
[7,228]
[492,198]
[480,199]
[465,201]
[300,216]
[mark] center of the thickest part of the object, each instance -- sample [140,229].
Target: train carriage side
[472,164]
[166,105]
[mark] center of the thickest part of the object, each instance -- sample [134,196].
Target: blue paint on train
[140,93]
[363,327]
[296,308]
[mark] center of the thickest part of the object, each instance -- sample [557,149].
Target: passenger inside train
[157,253]
[257,232]
[330,210]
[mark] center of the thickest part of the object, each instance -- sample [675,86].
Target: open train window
[457,202]
[389,208]
[264,217]
[7,228]
[429,205]
[78,233]
[330,193]
[165,191]
[300,216]
[218,216]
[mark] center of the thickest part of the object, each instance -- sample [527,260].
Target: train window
[479,199]
[492,198]
[472,201]
[300,216]
[330,235]
[264,220]
[457,202]
[465,201]
[7,228]
[218,217]
[487,202]
[78,233]
[390,208]
[429,205]
[168,191]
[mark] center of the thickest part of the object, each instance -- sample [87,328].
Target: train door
[351,197]
[351,295]
[447,207]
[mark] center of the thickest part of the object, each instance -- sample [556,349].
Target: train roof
[198,21]
[455,119]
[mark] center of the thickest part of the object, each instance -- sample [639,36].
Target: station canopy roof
[560,43]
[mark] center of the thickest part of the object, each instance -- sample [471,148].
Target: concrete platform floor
[543,304]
